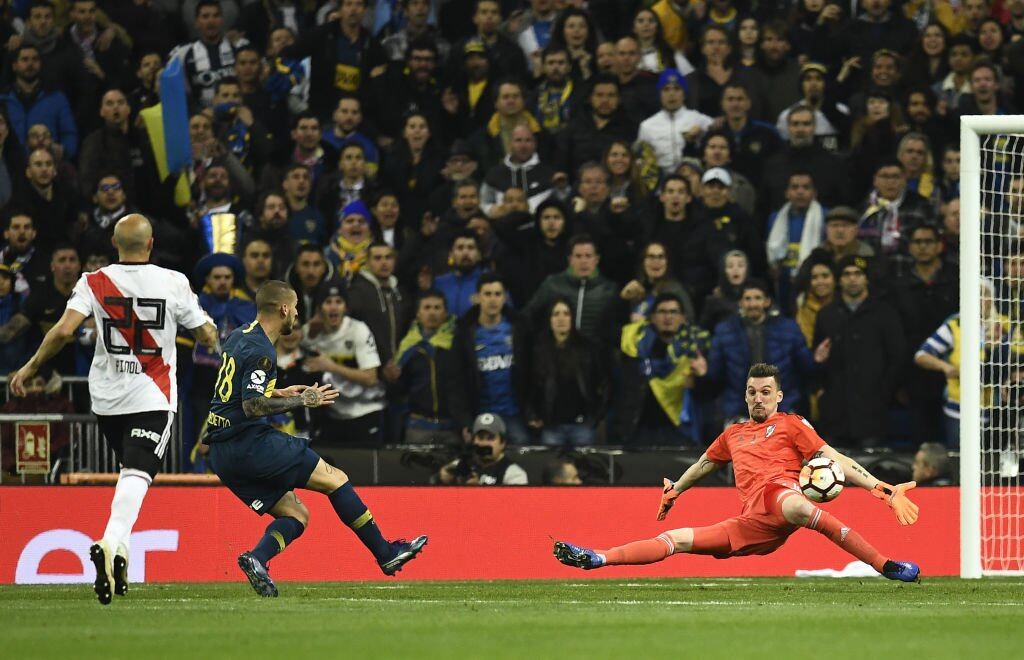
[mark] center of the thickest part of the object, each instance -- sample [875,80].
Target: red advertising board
[194,534]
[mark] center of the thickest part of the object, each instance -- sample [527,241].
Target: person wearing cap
[341,350]
[349,245]
[831,119]
[486,463]
[865,354]
[730,226]
[670,129]
[460,166]
[506,57]
[469,101]
[756,335]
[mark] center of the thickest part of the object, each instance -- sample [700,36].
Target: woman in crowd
[567,382]
[654,278]
[412,168]
[927,63]
[575,31]
[723,301]
[655,53]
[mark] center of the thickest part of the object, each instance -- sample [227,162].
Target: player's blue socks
[279,534]
[354,513]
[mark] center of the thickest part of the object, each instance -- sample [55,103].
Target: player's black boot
[405,551]
[258,576]
[121,571]
[100,555]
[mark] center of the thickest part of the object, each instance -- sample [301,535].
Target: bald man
[137,309]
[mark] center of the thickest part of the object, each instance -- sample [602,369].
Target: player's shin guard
[279,534]
[131,489]
[648,551]
[353,512]
[832,528]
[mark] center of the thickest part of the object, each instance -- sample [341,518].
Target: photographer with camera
[482,461]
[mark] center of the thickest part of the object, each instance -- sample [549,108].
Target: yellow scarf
[353,256]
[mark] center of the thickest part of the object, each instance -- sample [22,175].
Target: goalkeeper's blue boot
[405,551]
[258,575]
[905,571]
[574,555]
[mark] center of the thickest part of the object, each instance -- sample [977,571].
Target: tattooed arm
[855,473]
[702,468]
[311,397]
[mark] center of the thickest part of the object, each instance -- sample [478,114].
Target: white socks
[124,508]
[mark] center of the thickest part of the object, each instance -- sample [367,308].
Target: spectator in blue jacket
[28,103]
[756,336]
[459,284]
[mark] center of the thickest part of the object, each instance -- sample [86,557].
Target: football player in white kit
[137,308]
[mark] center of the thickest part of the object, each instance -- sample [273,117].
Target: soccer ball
[822,479]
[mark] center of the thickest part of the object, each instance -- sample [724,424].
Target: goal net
[992,317]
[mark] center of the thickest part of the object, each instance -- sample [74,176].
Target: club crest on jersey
[768,431]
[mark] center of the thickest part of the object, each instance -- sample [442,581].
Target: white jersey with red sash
[137,308]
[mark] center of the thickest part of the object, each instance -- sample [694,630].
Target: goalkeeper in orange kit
[767,453]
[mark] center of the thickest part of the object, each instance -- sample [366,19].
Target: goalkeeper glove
[668,498]
[896,498]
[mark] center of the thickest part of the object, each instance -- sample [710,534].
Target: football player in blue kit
[263,466]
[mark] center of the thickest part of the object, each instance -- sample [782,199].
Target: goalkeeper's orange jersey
[770,451]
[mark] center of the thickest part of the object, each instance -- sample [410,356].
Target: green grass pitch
[823,619]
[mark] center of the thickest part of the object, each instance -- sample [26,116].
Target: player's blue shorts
[262,466]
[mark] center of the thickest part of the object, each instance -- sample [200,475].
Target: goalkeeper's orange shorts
[759,530]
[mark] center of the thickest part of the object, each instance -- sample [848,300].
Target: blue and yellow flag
[167,126]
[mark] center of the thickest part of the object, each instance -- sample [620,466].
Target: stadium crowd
[587,218]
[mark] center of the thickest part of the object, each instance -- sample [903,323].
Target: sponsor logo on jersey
[768,432]
[257,379]
[256,505]
[495,362]
[842,534]
[143,433]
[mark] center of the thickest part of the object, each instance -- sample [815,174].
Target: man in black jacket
[589,134]
[802,154]
[344,56]
[375,299]
[925,296]
[866,356]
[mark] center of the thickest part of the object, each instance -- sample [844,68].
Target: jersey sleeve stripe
[153,366]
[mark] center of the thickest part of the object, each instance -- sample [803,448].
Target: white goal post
[991,490]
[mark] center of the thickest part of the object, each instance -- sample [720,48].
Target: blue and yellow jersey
[248,369]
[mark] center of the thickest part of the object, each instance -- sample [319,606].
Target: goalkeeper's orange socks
[832,528]
[647,551]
